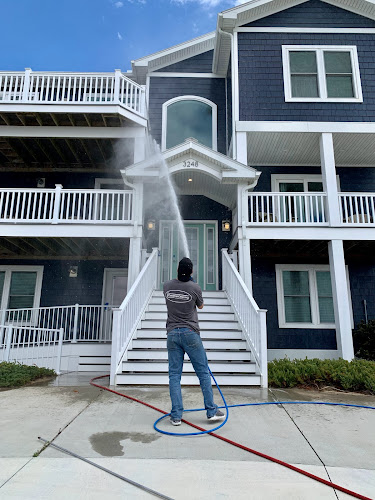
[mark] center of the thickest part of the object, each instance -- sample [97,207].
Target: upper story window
[189,116]
[321,73]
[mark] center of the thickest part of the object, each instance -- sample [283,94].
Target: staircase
[228,355]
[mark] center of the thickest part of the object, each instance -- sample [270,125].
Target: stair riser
[204,325]
[222,380]
[245,368]
[208,344]
[94,368]
[207,309]
[211,355]
[207,301]
[206,316]
[219,294]
[205,334]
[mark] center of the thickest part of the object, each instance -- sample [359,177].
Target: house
[265,127]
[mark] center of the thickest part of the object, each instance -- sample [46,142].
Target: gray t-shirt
[182,299]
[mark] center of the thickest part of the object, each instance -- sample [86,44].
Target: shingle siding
[314,14]
[164,89]
[202,63]
[261,84]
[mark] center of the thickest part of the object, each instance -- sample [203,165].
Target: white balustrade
[81,323]
[303,209]
[73,206]
[357,209]
[251,318]
[31,346]
[127,317]
[72,88]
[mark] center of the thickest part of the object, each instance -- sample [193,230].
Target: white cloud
[119,36]
[204,3]
[118,5]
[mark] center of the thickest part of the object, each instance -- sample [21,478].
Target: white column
[139,149]
[241,153]
[134,262]
[341,300]
[327,158]
[244,258]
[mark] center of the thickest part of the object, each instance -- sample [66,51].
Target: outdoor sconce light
[151,225]
[225,225]
[73,271]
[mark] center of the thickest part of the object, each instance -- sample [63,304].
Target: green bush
[364,340]
[15,374]
[357,375]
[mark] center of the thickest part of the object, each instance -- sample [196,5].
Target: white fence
[72,88]
[31,346]
[129,314]
[81,323]
[357,208]
[73,206]
[251,318]
[287,208]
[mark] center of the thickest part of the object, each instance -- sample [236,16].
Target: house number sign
[190,163]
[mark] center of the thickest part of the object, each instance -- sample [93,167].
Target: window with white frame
[304,296]
[20,287]
[189,116]
[321,73]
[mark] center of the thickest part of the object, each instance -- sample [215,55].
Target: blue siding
[261,86]
[362,286]
[163,89]
[201,63]
[69,180]
[315,14]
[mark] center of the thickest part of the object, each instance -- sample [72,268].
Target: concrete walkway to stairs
[335,443]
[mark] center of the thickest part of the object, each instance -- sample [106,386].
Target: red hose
[238,445]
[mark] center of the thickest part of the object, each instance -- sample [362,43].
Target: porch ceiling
[64,248]
[302,149]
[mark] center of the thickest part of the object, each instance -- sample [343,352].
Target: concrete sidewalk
[335,443]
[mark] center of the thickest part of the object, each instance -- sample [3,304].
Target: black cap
[185,269]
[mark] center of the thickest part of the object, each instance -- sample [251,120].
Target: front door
[202,242]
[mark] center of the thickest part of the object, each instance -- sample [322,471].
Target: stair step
[159,366]
[214,294]
[207,308]
[203,316]
[204,325]
[162,354]
[187,379]
[205,334]
[208,301]
[208,344]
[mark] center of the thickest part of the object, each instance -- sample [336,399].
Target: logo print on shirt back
[178,296]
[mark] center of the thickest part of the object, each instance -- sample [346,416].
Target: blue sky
[98,35]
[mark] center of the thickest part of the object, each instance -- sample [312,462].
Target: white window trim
[319,49]
[305,178]
[38,284]
[314,304]
[188,98]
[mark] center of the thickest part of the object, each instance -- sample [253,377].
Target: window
[20,287]
[321,73]
[304,295]
[189,116]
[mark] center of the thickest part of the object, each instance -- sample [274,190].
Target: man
[183,296]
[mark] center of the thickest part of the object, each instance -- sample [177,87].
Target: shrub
[364,340]
[357,375]
[15,374]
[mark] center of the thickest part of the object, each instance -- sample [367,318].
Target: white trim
[235,80]
[305,30]
[314,304]
[184,75]
[305,127]
[312,233]
[79,132]
[189,98]
[302,354]
[305,178]
[322,88]
[9,269]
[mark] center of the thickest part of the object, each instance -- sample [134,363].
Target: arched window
[189,116]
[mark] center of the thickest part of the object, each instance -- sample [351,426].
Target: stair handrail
[251,318]
[126,318]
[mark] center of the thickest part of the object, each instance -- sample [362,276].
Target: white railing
[126,319]
[81,323]
[73,206]
[72,88]
[31,346]
[251,318]
[302,209]
[357,208]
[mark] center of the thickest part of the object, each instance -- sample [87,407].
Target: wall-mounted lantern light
[151,225]
[225,225]
[73,271]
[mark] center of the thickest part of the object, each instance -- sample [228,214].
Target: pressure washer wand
[137,485]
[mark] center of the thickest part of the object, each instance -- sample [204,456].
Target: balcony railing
[72,88]
[357,209]
[301,209]
[66,206]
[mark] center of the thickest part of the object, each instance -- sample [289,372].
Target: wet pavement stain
[108,444]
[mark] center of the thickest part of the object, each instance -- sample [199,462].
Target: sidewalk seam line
[17,471]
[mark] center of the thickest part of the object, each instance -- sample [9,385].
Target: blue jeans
[179,341]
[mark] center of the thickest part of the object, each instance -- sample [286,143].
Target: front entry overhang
[195,168]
